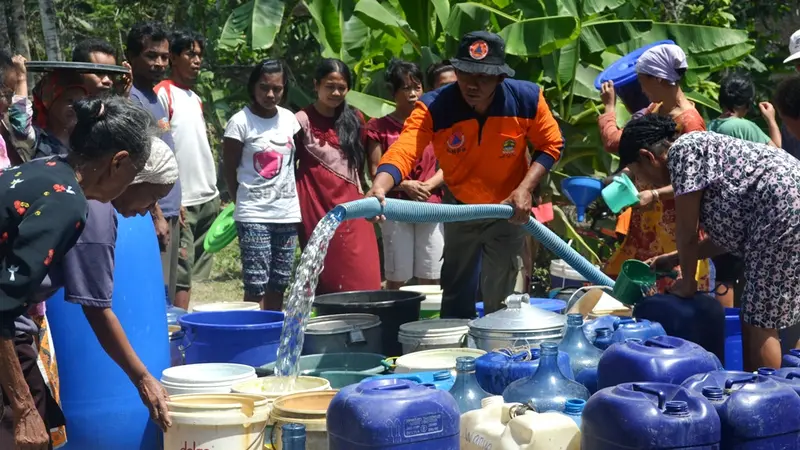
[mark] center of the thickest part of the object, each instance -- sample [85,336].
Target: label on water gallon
[423,425]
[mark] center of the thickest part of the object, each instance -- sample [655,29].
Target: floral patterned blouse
[42,214]
[750,207]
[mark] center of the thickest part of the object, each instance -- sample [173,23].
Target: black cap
[481,52]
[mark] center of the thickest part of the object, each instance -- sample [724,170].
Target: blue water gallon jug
[791,359]
[548,388]
[583,356]
[642,329]
[733,340]
[392,414]
[662,359]
[590,326]
[603,338]
[700,319]
[496,370]
[442,379]
[653,416]
[755,411]
[238,337]
[102,407]
[789,376]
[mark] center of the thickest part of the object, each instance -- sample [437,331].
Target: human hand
[162,231]
[767,111]
[608,96]
[646,198]
[522,201]
[126,81]
[379,193]
[182,216]
[684,287]
[155,397]
[664,263]
[416,190]
[29,430]
[19,64]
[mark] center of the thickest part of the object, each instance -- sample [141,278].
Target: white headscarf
[161,167]
[663,61]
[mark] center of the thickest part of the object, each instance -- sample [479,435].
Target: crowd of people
[80,146]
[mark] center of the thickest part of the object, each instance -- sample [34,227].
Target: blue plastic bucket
[239,337]
[733,340]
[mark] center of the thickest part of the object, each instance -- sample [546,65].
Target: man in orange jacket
[480,127]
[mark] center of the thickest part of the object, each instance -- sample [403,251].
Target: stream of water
[297,306]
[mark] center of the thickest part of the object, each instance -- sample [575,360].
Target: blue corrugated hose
[416,212]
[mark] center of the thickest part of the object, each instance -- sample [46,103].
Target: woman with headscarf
[650,229]
[44,212]
[746,196]
[87,276]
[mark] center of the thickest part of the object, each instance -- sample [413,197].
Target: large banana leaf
[258,20]
[369,105]
[600,35]
[693,39]
[338,30]
[377,16]
[592,7]
[536,37]
[472,16]
[418,15]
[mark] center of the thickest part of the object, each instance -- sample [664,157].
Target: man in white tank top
[198,173]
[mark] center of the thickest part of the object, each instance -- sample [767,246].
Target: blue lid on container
[549,304]
[623,70]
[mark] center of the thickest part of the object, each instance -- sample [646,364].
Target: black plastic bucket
[393,307]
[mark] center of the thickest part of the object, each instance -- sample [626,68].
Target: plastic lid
[713,393]
[519,315]
[442,375]
[623,70]
[549,304]
[574,406]
[766,371]
[222,231]
[341,323]
[435,327]
[677,408]
[207,373]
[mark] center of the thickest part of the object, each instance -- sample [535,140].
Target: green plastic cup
[634,279]
[620,194]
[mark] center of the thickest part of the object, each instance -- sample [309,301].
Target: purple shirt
[171,204]
[87,271]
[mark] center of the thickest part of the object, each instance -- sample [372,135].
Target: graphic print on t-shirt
[267,163]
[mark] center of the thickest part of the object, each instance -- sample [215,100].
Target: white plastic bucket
[432,334]
[218,421]
[306,408]
[431,307]
[562,275]
[227,306]
[433,360]
[211,378]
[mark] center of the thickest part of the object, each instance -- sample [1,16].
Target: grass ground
[225,284]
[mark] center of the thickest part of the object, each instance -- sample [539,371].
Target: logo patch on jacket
[455,143]
[508,147]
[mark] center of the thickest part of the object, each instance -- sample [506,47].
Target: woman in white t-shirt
[258,152]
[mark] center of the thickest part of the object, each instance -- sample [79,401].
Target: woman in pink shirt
[409,249]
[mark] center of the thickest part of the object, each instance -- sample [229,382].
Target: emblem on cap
[479,50]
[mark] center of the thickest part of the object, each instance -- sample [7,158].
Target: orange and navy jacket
[483,157]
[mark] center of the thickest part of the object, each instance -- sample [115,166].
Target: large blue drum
[102,407]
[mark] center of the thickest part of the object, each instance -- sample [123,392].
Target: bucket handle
[389,363]
[741,380]
[662,400]
[792,375]
[654,343]
[186,342]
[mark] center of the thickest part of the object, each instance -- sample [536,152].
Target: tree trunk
[50,29]
[5,39]
[19,28]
